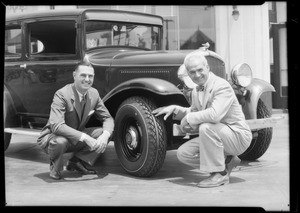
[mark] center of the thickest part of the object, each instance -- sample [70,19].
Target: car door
[14,62]
[52,55]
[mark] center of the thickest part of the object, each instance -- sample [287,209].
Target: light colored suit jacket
[65,115]
[220,105]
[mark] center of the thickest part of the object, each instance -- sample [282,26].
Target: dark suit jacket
[65,115]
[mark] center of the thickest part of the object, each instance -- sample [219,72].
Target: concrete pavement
[262,183]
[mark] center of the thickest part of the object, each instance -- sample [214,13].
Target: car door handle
[23,66]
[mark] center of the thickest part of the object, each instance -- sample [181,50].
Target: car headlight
[184,77]
[241,75]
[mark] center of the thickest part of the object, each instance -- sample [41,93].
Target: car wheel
[7,138]
[261,142]
[8,120]
[140,137]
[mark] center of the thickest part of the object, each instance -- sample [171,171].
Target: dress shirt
[83,135]
[80,95]
[201,93]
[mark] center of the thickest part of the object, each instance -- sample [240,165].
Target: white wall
[281,12]
[244,40]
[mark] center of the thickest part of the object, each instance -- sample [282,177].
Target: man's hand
[185,126]
[164,110]
[184,122]
[102,142]
[91,142]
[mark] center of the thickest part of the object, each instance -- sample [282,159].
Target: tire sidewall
[131,111]
[261,143]
[9,117]
[137,111]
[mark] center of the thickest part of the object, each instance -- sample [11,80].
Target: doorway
[279,68]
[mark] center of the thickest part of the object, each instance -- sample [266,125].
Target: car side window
[49,38]
[13,42]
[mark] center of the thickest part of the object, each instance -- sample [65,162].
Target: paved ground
[262,183]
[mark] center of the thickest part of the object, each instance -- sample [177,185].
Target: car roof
[112,14]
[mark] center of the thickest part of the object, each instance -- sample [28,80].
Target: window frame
[15,25]
[58,56]
[159,28]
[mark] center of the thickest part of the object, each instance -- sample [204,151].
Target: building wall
[244,40]
[281,12]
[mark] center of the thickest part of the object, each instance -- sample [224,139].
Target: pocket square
[91,112]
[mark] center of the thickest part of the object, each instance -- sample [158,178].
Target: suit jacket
[65,115]
[220,105]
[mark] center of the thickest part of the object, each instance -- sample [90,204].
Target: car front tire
[140,137]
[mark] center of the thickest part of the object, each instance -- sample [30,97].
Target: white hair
[198,56]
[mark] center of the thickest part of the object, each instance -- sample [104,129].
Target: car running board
[23,131]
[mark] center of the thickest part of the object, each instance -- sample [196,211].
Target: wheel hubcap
[131,138]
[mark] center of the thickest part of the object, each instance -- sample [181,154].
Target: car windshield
[103,34]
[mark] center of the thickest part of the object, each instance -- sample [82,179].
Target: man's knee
[186,157]
[59,142]
[179,152]
[183,152]
[94,132]
[207,131]
[180,155]
[205,127]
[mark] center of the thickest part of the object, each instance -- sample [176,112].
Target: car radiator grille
[127,74]
[216,66]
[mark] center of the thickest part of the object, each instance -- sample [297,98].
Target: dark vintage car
[133,75]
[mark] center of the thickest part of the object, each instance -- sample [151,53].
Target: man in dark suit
[65,130]
[216,112]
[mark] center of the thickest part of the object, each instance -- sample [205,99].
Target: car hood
[129,57]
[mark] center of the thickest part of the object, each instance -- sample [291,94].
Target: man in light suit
[215,110]
[65,130]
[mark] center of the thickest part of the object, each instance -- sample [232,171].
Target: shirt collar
[80,95]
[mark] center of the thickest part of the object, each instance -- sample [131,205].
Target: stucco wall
[244,40]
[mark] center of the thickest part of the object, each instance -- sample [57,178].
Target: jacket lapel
[209,89]
[75,101]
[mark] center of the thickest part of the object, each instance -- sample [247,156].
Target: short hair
[84,62]
[195,55]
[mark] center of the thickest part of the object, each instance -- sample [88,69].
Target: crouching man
[215,110]
[65,131]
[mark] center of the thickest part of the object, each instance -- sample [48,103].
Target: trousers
[58,145]
[208,151]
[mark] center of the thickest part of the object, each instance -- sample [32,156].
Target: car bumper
[254,124]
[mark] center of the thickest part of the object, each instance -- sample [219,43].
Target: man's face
[198,70]
[83,78]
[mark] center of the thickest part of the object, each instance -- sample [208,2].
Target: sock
[223,173]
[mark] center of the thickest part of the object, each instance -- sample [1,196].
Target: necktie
[82,104]
[200,88]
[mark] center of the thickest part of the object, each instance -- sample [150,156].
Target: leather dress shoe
[216,179]
[231,162]
[55,175]
[79,167]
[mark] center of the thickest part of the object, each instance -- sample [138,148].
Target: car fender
[9,109]
[8,101]
[154,85]
[160,91]
[256,89]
